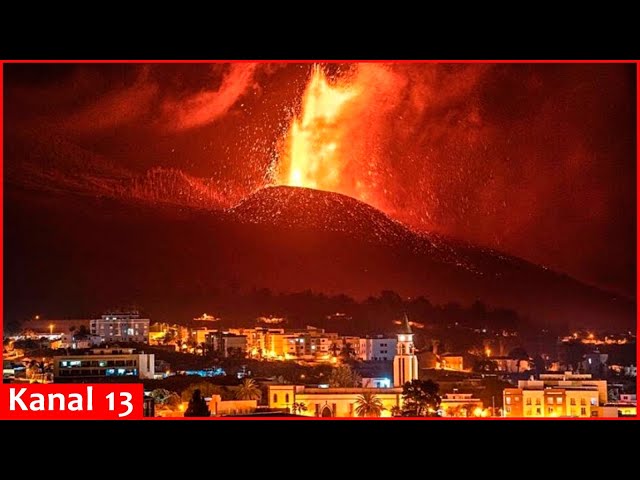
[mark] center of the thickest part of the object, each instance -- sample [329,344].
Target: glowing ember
[312,156]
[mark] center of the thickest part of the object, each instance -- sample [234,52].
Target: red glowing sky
[535,160]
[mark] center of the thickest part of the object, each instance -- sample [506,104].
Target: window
[537,401]
[538,411]
[517,399]
[528,401]
[286,398]
[550,400]
[573,401]
[508,409]
[508,400]
[527,412]
[275,398]
[583,411]
[594,402]
[559,400]
[550,410]
[583,401]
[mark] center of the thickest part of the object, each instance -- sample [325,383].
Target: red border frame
[636,62]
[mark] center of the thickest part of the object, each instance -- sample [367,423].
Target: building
[450,361]
[462,405]
[121,327]
[330,402]
[343,402]
[379,348]
[226,343]
[511,364]
[79,342]
[104,364]
[556,395]
[376,382]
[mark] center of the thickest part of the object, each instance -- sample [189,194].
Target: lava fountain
[313,153]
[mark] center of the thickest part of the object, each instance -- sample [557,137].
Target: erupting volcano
[164,184]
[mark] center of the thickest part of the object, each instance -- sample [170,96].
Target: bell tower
[405,363]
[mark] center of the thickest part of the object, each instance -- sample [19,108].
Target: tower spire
[405,363]
[405,327]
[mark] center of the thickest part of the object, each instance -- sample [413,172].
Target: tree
[369,405]
[334,349]
[197,406]
[206,390]
[347,352]
[248,390]
[344,377]
[420,399]
[396,411]
[298,407]
[82,332]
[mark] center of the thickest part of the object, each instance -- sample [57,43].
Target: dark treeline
[374,315]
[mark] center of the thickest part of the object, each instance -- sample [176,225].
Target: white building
[102,364]
[121,327]
[377,348]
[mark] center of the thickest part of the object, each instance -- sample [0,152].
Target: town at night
[322,240]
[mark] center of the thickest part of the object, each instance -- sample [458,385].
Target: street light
[51,329]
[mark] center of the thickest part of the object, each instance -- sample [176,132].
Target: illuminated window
[559,400]
[508,400]
[549,400]
[275,398]
[594,402]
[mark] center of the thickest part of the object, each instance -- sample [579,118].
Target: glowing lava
[313,152]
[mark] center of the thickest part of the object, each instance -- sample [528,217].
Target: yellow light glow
[487,352]
[334,359]
[477,412]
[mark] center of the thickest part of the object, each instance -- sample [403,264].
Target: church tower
[405,363]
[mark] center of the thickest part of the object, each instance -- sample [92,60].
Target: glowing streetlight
[50,327]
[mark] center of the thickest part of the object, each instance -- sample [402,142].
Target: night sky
[535,160]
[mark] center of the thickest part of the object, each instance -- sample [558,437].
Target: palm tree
[396,411]
[334,349]
[298,407]
[369,405]
[39,369]
[248,390]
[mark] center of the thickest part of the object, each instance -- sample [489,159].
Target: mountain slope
[88,253]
